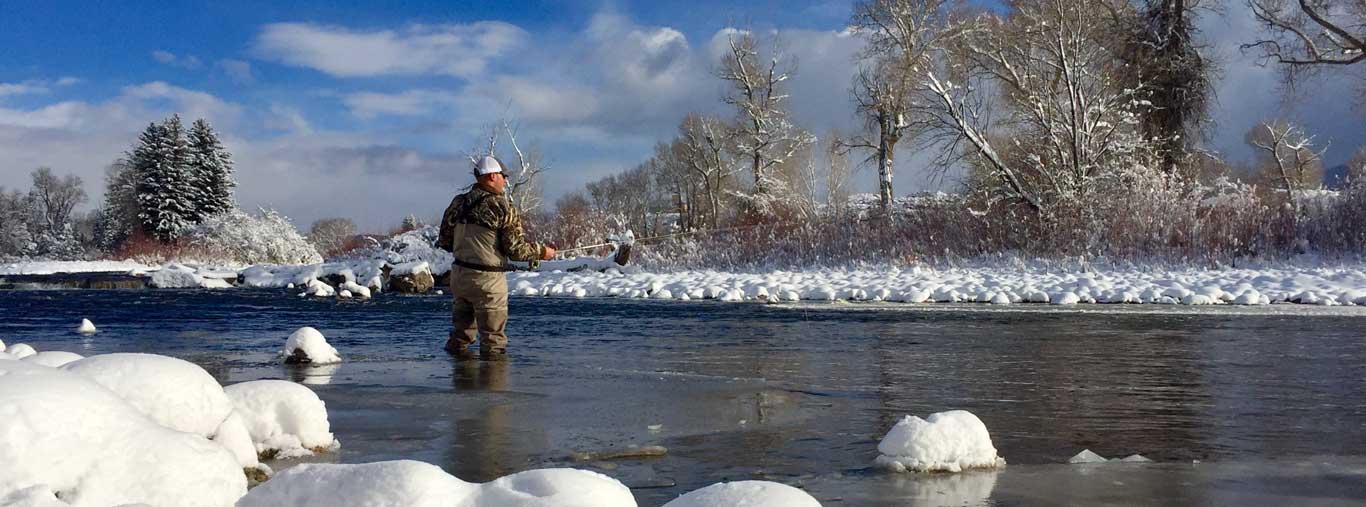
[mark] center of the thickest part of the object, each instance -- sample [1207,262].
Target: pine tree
[211,167]
[165,189]
[117,218]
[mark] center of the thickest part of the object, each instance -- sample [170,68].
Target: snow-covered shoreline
[1324,285]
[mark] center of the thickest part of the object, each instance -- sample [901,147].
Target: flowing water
[1235,407]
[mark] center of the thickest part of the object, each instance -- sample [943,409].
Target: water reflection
[316,375]
[490,441]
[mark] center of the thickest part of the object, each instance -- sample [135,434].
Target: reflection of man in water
[485,446]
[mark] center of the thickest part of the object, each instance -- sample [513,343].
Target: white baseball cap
[488,165]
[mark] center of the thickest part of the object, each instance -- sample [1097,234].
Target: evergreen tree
[211,167]
[165,188]
[117,218]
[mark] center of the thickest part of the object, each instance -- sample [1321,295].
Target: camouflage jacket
[482,227]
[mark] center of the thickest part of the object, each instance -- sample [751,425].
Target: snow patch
[175,393]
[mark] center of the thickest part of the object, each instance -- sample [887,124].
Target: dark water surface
[1235,408]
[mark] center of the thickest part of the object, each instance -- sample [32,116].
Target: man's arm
[512,239]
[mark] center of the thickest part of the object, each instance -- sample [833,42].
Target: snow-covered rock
[86,327]
[53,358]
[65,436]
[746,493]
[560,487]
[949,441]
[411,278]
[356,289]
[307,345]
[283,418]
[178,276]
[20,350]
[175,393]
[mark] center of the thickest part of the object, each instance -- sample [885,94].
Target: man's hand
[549,253]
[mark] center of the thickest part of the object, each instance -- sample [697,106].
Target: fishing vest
[475,244]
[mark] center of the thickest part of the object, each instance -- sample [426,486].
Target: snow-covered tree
[15,239]
[1161,53]
[117,218]
[764,136]
[329,235]
[241,238]
[1292,163]
[901,35]
[165,189]
[1034,99]
[211,168]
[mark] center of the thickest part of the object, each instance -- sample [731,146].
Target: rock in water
[87,327]
[412,278]
[308,346]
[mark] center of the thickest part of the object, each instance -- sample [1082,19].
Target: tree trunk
[885,152]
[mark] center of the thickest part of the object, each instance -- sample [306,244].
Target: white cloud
[368,105]
[25,88]
[237,70]
[461,50]
[169,58]
[68,81]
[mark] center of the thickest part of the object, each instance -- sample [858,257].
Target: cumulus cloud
[460,50]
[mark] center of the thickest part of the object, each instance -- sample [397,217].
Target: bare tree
[523,169]
[54,198]
[330,235]
[1308,33]
[1356,168]
[836,176]
[701,146]
[764,136]
[1293,162]
[901,34]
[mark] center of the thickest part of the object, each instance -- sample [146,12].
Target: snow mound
[558,487]
[949,441]
[178,276]
[382,484]
[416,484]
[747,494]
[2,345]
[53,358]
[173,392]
[20,350]
[234,437]
[1086,456]
[64,436]
[308,345]
[283,418]
[86,327]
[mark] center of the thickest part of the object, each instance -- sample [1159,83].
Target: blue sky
[363,110]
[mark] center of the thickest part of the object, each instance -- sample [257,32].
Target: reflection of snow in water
[931,490]
[314,375]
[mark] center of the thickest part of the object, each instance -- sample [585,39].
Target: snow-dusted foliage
[240,238]
[165,187]
[210,167]
[412,246]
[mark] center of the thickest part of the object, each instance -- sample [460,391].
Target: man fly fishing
[482,229]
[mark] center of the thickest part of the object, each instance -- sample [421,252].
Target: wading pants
[480,307]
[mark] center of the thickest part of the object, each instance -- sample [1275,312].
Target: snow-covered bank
[1306,285]
[55,267]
